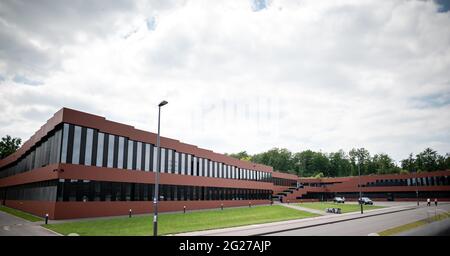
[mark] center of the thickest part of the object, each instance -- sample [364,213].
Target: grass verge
[20,214]
[172,223]
[344,207]
[409,226]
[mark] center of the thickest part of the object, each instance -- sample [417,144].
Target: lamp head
[162,103]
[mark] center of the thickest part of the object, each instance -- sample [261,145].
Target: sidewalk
[296,207]
[11,225]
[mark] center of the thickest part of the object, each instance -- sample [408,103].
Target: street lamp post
[158,170]
[359,185]
[417,191]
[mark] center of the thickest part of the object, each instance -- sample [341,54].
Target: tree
[279,159]
[339,164]
[243,155]
[409,163]
[8,146]
[309,163]
[303,163]
[427,160]
[319,175]
[359,158]
[384,164]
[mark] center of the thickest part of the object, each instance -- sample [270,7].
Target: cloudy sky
[238,75]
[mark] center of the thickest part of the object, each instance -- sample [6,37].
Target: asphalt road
[373,224]
[15,226]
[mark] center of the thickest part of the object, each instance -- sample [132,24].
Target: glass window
[130,155]
[64,143]
[89,142]
[163,160]
[194,166]
[100,141]
[139,156]
[169,160]
[76,145]
[200,167]
[121,152]
[210,168]
[147,157]
[58,145]
[176,163]
[155,157]
[189,164]
[183,163]
[110,151]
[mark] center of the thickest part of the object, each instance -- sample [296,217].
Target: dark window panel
[134,154]
[94,148]
[116,151]
[105,150]
[70,144]
[83,145]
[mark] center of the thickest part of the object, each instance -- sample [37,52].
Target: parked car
[339,199]
[365,200]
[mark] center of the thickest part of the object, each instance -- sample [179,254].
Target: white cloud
[295,74]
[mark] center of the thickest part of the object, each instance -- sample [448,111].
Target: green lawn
[178,222]
[20,214]
[406,227]
[344,207]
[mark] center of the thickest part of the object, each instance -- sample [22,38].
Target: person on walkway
[435,202]
[428,202]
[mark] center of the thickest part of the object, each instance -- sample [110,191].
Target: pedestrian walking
[428,202]
[435,202]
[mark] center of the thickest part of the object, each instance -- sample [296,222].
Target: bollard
[46,218]
[184,209]
[129,214]
[221,206]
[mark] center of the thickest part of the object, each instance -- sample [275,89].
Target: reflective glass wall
[75,144]
[87,190]
[45,152]
[86,146]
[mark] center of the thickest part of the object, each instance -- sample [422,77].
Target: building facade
[392,187]
[82,165]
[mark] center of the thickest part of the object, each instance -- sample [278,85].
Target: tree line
[310,163]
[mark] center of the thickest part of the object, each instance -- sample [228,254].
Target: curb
[54,232]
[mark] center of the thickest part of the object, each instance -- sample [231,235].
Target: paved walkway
[11,225]
[306,209]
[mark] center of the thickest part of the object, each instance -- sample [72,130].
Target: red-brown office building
[82,165]
[389,187]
